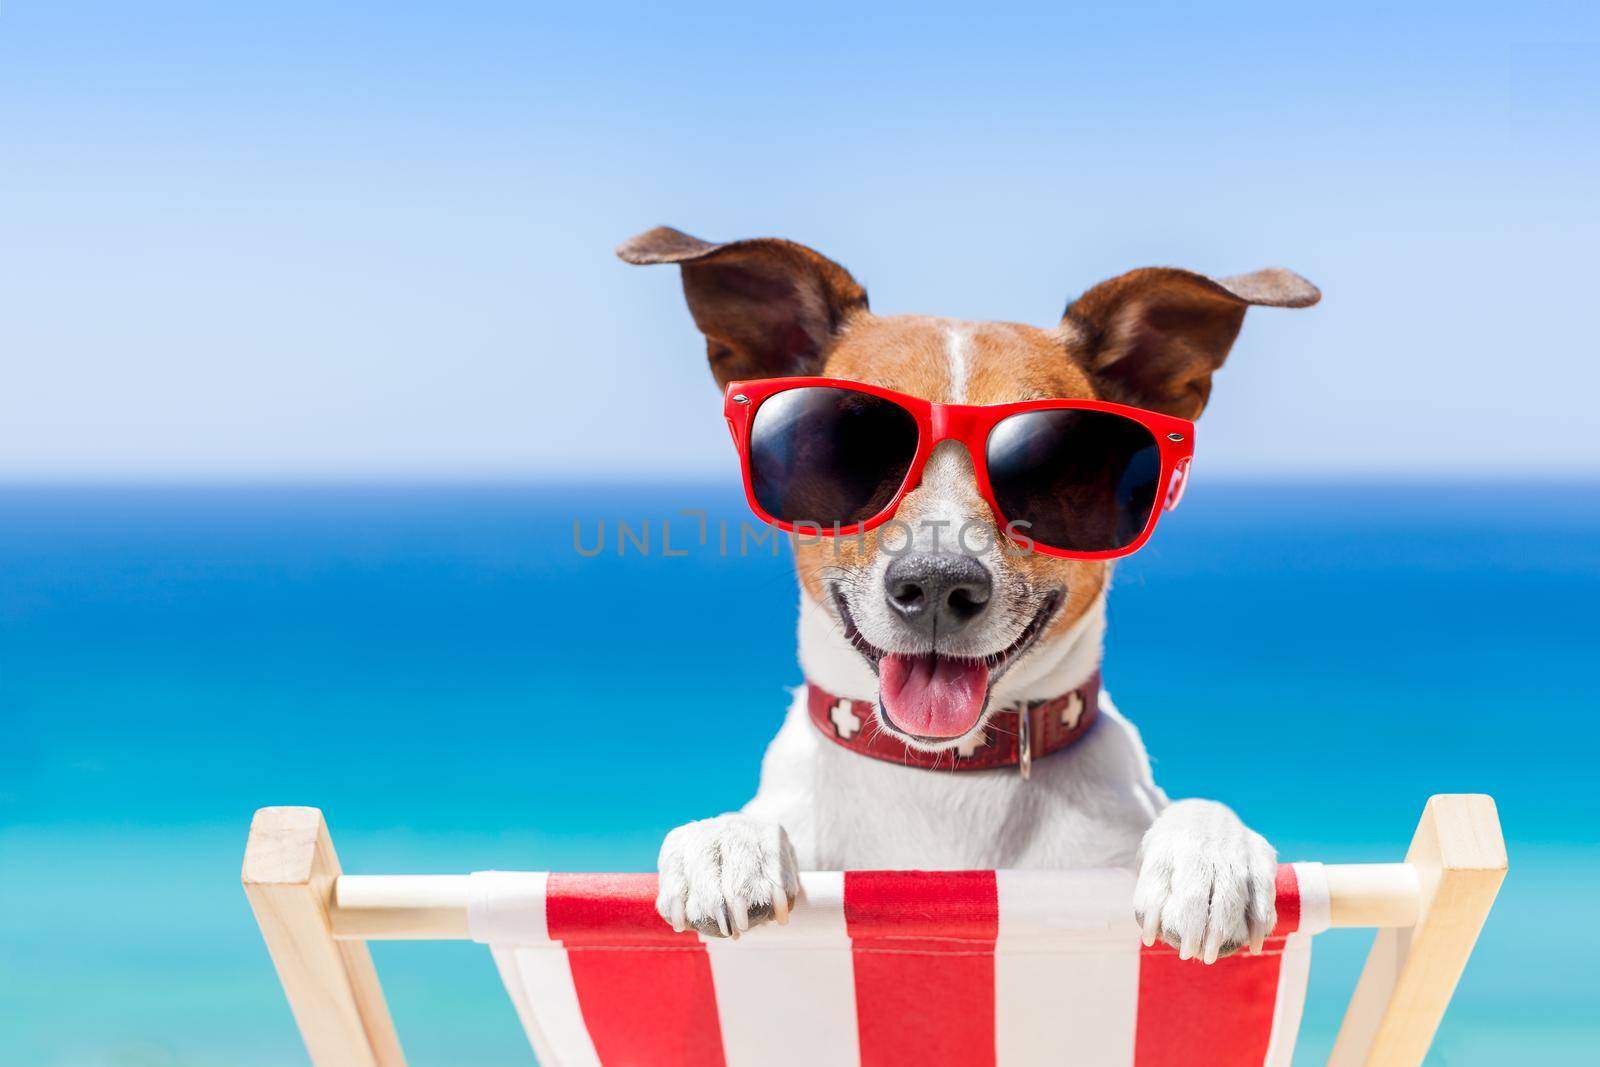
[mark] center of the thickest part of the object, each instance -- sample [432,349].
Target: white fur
[1085,807]
[956,352]
[1205,881]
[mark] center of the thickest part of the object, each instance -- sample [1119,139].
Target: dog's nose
[940,591]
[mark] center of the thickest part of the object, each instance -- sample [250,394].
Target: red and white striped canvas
[891,969]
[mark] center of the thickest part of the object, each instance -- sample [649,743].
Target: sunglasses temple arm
[1175,488]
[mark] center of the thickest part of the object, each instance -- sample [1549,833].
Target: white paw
[1206,882]
[724,875]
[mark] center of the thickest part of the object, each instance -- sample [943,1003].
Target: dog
[892,639]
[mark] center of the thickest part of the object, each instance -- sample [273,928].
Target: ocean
[460,684]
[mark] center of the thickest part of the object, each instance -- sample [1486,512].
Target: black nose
[940,592]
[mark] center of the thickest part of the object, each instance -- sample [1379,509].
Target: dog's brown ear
[1153,337]
[768,307]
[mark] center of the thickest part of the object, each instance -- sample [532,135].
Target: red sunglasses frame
[970,424]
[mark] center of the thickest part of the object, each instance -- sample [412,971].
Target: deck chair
[881,968]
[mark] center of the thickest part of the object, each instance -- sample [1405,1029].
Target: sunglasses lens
[1083,481]
[825,455]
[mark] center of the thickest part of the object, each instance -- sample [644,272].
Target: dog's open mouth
[934,697]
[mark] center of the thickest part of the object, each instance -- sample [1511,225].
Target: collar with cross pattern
[1013,737]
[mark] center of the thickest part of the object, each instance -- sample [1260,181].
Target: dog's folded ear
[1153,337]
[767,307]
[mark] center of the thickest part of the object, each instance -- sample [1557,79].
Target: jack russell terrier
[958,493]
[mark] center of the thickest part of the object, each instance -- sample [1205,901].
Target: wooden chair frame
[316,922]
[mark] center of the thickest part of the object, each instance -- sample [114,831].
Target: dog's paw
[724,875]
[1206,882]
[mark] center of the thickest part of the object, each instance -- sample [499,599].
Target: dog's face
[941,606]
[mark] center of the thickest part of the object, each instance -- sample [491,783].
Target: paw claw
[780,903]
[1152,927]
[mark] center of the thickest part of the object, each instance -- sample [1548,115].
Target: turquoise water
[440,671]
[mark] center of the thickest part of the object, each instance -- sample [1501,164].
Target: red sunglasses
[1078,479]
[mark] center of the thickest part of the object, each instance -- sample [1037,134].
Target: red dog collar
[1014,737]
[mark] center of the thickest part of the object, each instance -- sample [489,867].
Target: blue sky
[374,242]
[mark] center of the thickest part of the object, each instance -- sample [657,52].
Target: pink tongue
[932,696]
